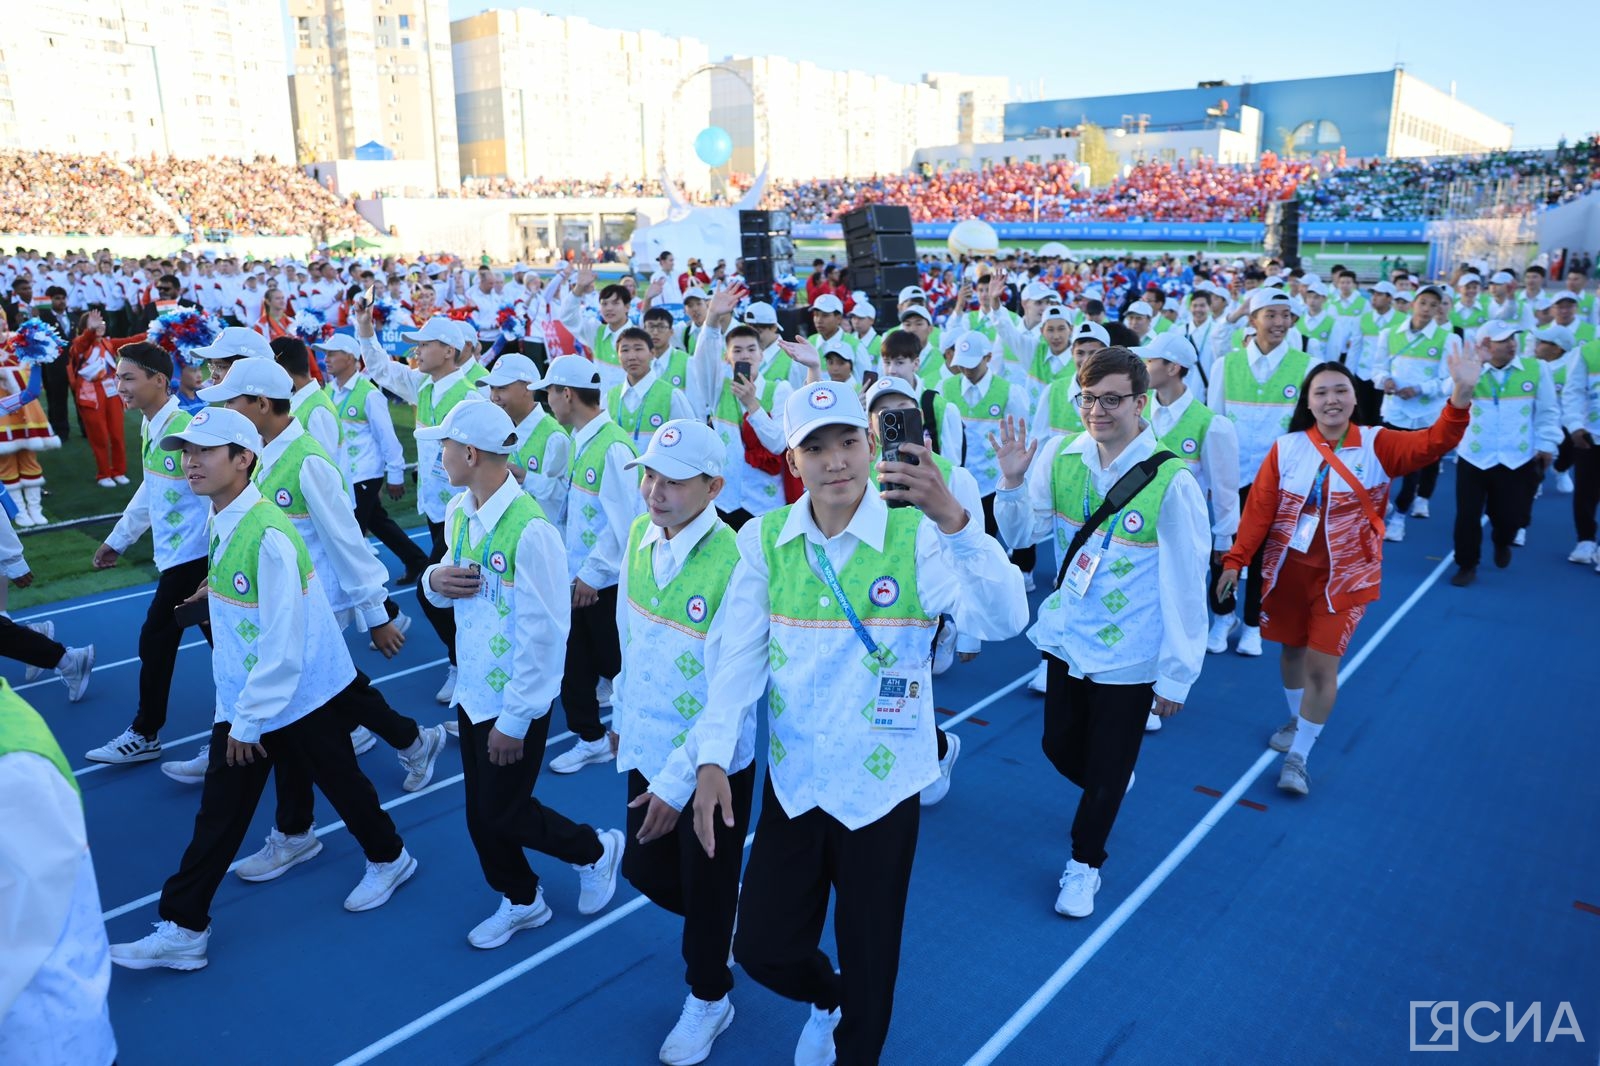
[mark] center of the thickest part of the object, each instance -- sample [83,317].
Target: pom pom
[35,343]
[383,309]
[507,319]
[183,329]
[307,327]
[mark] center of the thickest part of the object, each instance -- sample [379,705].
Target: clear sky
[1504,58]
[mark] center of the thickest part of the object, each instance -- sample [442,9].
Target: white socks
[1293,697]
[1305,735]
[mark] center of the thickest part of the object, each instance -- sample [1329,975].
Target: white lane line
[96,767]
[992,698]
[333,827]
[499,980]
[1052,987]
[145,591]
[97,668]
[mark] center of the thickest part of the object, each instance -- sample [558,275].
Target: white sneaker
[171,947]
[597,882]
[583,753]
[510,918]
[1521,539]
[379,882]
[121,479]
[939,789]
[1028,584]
[362,740]
[1419,508]
[129,747]
[453,727]
[1396,531]
[1039,680]
[447,691]
[603,692]
[815,1047]
[1249,641]
[1079,882]
[419,768]
[944,648]
[279,855]
[47,630]
[1221,630]
[698,1027]
[75,667]
[1564,483]
[1152,723]
[106,483]
[189,771]
[402,622]
[1583,554]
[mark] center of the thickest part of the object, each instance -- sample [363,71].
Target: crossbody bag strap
[1331,457]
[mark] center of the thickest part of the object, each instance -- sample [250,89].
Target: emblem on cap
[200,419]
[670,437]
[885,591]
[696,609]
[822,399]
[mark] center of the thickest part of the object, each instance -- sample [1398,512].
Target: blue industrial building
[1380,114]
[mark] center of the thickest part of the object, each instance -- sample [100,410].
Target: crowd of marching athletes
[649,497]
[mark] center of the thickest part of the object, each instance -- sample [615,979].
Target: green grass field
[59,558]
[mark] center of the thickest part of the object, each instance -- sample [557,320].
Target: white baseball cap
[235,342]
[477,424]
[569,371]
[1091,331]
[889,386]
[1139,307]
[1037,290]
[1173,347]
[1265,297]
[1437,290]
[837,345]
[1500,330]
[1561,336]
[828,303]
[1564,294]
[912,292]
[1315,285]
[508,368]
[694,292]
[682,448]
[1468,279]
[438,329]
[1501,277]
[213,428]
[339,342]
[465,333]
[917,310]
[971,349]
[1384,287]
[823,403]
[251,377]
[760,314]
[1054,312]
[862,309]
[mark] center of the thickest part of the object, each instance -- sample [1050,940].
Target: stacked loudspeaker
[767,250]
[882,255]
[1282,238]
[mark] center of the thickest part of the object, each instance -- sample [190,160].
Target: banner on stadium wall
[1237,232]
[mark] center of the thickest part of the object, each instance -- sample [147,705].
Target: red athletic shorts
[1296,612]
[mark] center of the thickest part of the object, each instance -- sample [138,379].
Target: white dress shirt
[619,498]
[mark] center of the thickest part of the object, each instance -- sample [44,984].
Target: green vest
[707,570]
[796,592]
[1188,434]
[1356,305]
[676,372]
[355,405]
[1321,332]
[431,412]
[474,372]
[281,484]
[1065,417]
[589,465]
[655,409]
[943,465]
[530,453]
[1160,325]
[928,372]
[605,346]
[1470,319]
[507,533]
[160,463]
[22,729]
[1040,370]
[232,576]
[991,406]
[730,410]
[782,366]
[316,400]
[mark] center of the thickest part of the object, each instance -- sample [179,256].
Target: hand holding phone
[900,426]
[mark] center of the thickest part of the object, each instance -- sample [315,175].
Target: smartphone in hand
[897,427]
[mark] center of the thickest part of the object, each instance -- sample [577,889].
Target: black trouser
[1369,403]
[1417,483]
[593,652]
[1566,454]
[794,863]
[158,643]
[57,398]
[1505,492]
[25,645]
[443,619]
[736,518]
[1023,557]
[373,519]
[320,743]
[674,873]
[503,818]
[1252,580]
[1585,489]
[362,705]
[1092,734]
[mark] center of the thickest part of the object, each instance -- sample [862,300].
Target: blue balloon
[713,146]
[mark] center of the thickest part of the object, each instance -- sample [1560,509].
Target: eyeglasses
[1109,402]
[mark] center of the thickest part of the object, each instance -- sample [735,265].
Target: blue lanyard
[831,579]
[1493,384]
[462,524]
[1322,476]
[1110,526]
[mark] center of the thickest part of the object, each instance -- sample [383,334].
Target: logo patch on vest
[822,399]
[533,463]
[1190,446]
[1290,392]
[589,475]
[351,411]
[1133,521]
[241,584]
[1527,386]
[655,421]
[885,591]
[994,410]
[497,562]
[283,498]
[696,609]
[170,463]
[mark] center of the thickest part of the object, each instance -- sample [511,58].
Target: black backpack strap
[1129,485]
